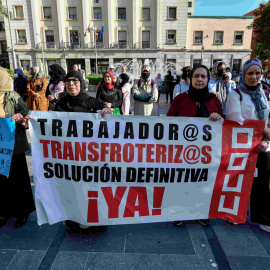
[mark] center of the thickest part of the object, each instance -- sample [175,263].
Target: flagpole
[95,40]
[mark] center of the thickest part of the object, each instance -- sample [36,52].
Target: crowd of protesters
[216,94]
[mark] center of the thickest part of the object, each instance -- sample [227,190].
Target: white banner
[134,169]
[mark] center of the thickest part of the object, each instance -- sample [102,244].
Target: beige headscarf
[6,84]
[37,74]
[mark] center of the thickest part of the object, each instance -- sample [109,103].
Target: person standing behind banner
[125,87]
[77,100]
[197,102]
[248,101]
[183,86]
[20,83]
[108,95]
[36,89]
[16,198]
[56,86]
[169,86]
[159,83]
[145,94]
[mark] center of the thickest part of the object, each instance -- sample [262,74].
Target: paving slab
[239,241]
[5,257]
[249,263]
[26,260]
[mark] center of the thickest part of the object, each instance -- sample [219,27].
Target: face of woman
[253,76]
[107,78]
[199,79]
[73,86]
[221,67]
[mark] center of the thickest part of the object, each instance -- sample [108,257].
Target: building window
[21,36]
[216,60]
[97,13]
[74,39]
[50,62]
[196,62]
[238,37]
[171,36]
[3,44]
[237,63]
[189,14]
[198,35]
[189,4]
[72,13]
[122,39]
[121,13]
[171,13]
[2,26]
[19,12]
[146,13]
[25,64]
[218,37]
[49,36]
[47,13]
[96,1]
[145,39]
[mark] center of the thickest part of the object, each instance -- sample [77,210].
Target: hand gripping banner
[134,169]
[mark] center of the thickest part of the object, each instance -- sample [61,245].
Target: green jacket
[14,104]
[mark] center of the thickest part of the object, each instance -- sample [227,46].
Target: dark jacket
[14,104]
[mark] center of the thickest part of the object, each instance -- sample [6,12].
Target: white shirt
[180,88]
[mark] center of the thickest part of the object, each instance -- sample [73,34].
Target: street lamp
[203,47]
[42,54]
[11,40]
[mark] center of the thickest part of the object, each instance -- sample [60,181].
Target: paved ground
[144,246]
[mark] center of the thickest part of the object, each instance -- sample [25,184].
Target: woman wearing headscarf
[56,86]
[108,95]
[248,101]
[125,87]
[145,94]
[183,85]
[16,198]
[36,89]
[20,83]
[77,100]
[197,102]
[230,83]
[217,83]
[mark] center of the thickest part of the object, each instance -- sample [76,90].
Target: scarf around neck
[255,94]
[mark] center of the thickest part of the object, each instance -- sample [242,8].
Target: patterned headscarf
[6,84]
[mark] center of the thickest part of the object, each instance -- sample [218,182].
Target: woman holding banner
[248,101]
[197,102]
[16,198]
[77,100]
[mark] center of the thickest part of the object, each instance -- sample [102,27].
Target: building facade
[218,38]
[97,33]
[70,31]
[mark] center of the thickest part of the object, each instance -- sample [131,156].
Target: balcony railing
[97,45]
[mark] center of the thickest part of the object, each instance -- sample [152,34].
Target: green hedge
[94,79]
[10,72]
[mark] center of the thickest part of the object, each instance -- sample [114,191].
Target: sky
[225,7]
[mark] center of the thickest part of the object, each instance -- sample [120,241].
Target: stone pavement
[138,246]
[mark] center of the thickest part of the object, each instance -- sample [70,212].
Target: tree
[261,29]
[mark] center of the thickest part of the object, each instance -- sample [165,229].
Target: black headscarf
[58,74]
[74,103]
[124,79]
[200,96]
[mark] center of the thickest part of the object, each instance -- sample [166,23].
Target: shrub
[94,79]
[10,72]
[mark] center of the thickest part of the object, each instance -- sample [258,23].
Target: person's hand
[215,117]
[25,120]
[18,118]
[105,111]
[37,95]
[51,97]
[262,146]
[109,105]
[266,133]
[112,109]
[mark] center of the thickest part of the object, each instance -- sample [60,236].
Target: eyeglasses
[72,80]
